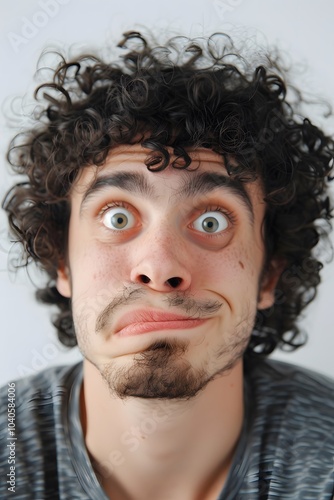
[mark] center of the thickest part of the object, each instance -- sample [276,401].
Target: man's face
[165,272]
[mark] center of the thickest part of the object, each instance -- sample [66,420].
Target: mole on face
[241,265]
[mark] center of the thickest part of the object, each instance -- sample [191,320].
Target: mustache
[192,307]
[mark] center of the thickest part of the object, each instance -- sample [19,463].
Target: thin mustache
[193,308]
[128,295]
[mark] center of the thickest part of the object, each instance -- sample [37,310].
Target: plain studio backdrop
[302,29]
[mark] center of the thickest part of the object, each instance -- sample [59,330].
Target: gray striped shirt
[285,451]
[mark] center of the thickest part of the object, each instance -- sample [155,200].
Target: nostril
[174,282]
[144,279]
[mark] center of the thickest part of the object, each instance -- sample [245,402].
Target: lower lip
[154,326]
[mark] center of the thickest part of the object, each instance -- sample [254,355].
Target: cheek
[234,276]
[109,268]
[96,278]
[98,268]
[232,265]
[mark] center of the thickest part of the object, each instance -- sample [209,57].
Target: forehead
[134,156]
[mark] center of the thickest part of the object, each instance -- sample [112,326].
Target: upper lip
[149,316]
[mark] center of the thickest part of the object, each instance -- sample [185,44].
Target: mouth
[145,321]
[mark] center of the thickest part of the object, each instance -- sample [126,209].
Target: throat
[149,446]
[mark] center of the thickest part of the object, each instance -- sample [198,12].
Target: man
[174,198]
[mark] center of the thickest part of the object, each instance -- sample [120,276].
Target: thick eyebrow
[206,182]
[132,182]
[194,185]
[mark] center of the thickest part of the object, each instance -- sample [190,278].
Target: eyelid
[198,212]
[229,216]
[114,205]
[216,208]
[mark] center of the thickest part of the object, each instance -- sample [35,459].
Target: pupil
[119,220]
[210,224]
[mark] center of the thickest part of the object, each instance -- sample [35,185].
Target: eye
[118,218]
[211,222]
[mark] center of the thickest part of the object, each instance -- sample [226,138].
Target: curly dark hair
[187,93]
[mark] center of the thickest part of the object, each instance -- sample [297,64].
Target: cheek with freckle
[98,270]
[97,277]
[110,268]
[234,268]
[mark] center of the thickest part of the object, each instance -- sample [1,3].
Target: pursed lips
[146,320]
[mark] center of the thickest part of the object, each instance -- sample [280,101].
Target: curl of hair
[169,98]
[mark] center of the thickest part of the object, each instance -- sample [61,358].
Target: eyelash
[112,204]
[216,208]
[211,208]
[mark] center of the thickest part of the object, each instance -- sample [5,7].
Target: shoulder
[291,382]
[48,385]
[291,437]
[35,403]
[36,400]
[32,422]
[280,371]
[304,397]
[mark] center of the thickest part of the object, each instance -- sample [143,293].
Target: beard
[162,372]
[159,372]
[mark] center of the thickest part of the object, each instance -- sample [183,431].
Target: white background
[303,29]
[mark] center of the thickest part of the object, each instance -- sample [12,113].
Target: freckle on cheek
[109,267]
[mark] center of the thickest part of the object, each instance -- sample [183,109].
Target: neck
[143,447]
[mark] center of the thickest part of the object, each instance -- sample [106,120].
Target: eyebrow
[206,182]
[194,185]
[133,182]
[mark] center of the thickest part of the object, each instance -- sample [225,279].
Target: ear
[63,281]
[268,284]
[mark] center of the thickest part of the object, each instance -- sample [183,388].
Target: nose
[161,264]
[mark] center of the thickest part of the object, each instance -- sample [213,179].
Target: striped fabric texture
[285,451]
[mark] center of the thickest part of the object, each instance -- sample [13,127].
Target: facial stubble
[162,370]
